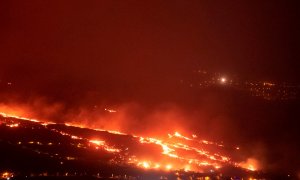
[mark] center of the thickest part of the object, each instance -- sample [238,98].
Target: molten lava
[175,152]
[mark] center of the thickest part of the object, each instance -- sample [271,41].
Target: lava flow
[174,152]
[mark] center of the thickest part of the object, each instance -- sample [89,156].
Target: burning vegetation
[107,139]
[173,152]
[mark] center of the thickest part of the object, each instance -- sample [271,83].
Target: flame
[169,166]
[177,151]
[177,134]
[97,142]
[146,165]
[6,175]
[13,125]
[251,164]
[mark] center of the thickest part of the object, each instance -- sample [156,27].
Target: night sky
[108,52]
[135,45]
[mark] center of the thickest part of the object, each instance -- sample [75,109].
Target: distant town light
[223,80]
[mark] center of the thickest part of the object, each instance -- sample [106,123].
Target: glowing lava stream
[169,148]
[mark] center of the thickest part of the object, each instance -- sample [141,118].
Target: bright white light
[223,80]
